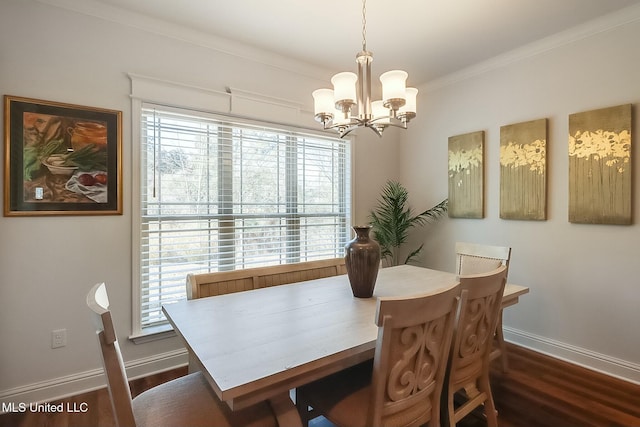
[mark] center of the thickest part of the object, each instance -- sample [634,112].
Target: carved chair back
[414,338]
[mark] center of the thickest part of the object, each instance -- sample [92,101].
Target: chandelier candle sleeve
[340,118]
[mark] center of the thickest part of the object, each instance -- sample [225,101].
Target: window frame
[140,334]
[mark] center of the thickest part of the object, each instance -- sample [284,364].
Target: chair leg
[489,405]
[501,344]
[285,411]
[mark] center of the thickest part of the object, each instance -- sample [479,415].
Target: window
[219,194]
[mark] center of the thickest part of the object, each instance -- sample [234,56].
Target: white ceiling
[427,38]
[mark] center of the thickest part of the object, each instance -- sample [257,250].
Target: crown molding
[226,46]
[233,48]
[574,34]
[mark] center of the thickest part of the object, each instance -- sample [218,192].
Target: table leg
[285,411]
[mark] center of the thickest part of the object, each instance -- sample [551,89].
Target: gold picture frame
[61,159]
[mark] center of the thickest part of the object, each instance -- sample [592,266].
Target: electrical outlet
[58,338]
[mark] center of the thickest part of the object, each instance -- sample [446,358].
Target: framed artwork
[600,166]
[466,175]
[523,170]
[61,159]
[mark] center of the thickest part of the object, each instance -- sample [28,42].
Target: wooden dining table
[256,345]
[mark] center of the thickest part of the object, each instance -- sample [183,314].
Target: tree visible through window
[218,194]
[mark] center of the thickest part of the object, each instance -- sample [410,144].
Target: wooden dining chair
[472,258]
[469,361]
[403,383]
[185,401]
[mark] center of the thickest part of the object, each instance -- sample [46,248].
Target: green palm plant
[392,219]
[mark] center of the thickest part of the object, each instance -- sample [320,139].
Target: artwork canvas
[61,159]
[600,166]
[523,170]
[466,175]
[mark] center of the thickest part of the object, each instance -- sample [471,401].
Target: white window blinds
[218,194]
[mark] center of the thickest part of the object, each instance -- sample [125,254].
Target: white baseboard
[608,365]
[83,382]
[62,387]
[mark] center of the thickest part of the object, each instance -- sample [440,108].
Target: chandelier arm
[389,121]
[375,124]
[377,129]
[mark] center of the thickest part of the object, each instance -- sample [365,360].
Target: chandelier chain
[364,25]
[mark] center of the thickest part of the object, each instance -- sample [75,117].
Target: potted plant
[392,219]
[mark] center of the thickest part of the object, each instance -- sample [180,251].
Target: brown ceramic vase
[362,259]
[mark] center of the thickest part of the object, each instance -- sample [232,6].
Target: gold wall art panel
[600,166]
[523,170]
[466,175]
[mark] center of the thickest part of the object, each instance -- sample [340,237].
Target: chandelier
[336,109]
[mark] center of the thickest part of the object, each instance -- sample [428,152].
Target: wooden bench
[225,282]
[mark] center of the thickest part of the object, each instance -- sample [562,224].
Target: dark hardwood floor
[537,391]
[541,391]
[98,407]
